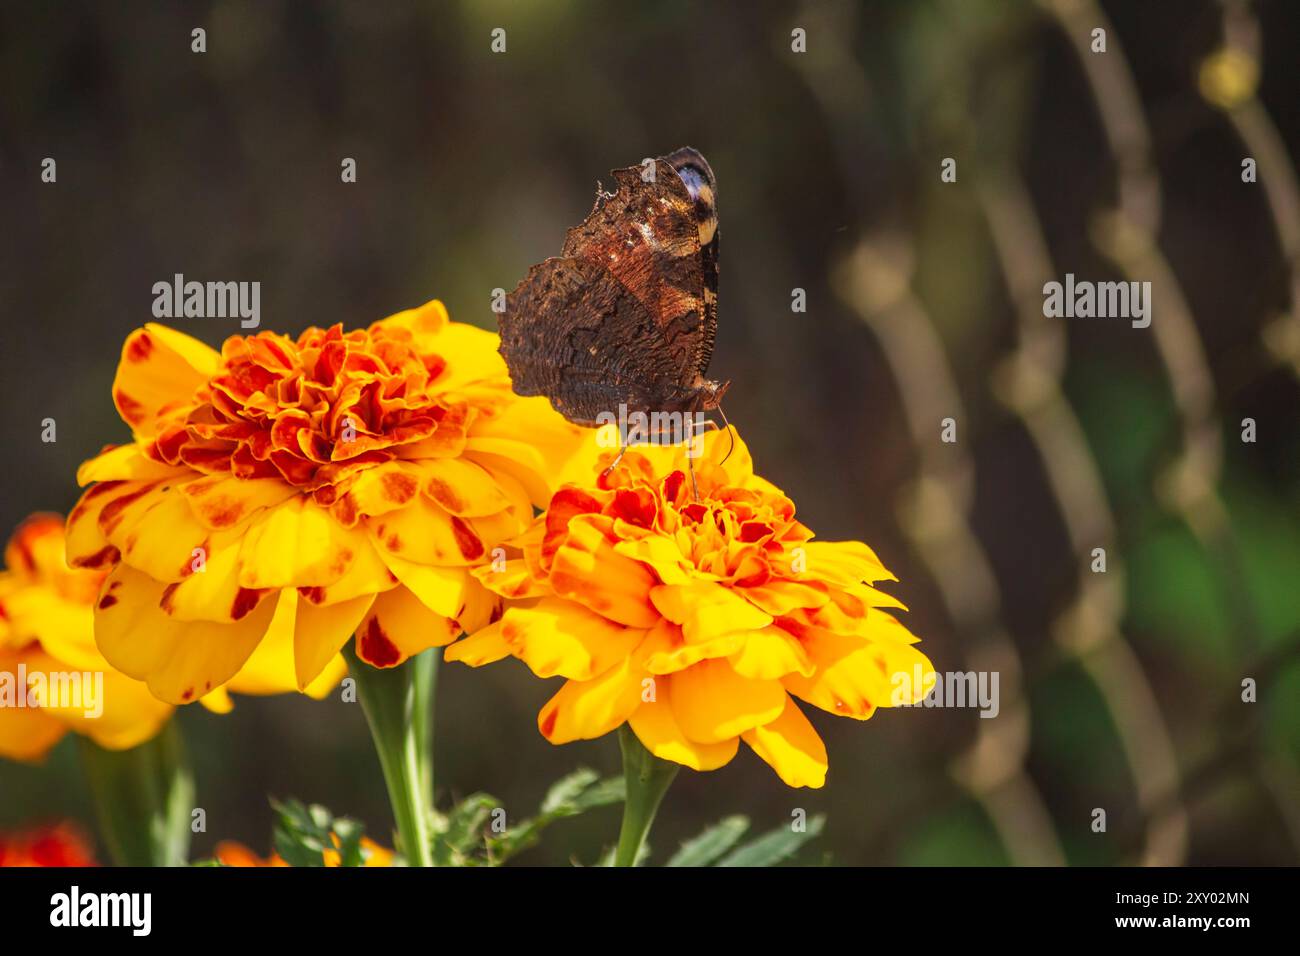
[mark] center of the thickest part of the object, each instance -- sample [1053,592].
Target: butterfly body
[626,315]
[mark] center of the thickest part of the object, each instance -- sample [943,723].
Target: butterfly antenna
[730,434]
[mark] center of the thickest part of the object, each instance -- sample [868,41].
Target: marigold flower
[696,621]
[233,853]
[341,482]
[46,628]
[60,844]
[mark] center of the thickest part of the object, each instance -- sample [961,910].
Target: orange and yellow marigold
[47,638]
[697,622]
[295,492]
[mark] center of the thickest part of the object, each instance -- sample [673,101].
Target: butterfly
[626,315]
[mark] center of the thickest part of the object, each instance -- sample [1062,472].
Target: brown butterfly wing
[647,235]
[573,332]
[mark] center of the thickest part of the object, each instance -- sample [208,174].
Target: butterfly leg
[690,458]
[622,450]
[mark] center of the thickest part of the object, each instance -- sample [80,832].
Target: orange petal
[587,569]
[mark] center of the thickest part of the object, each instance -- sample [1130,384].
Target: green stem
[143,799]
[647,779]
[392,704]
[426,680]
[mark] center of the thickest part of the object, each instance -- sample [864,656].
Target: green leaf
[462,832]
[567,789]
[711,844]
[349,834]
[578,792]
[303,833]
[608,791]
[774,846]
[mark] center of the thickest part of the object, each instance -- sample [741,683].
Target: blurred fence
[876,280]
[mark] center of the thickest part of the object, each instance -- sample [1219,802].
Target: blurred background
[1119,690]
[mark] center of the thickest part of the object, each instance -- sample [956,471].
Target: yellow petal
[844,562]
[769,654]
[271,668]
[129,714]
[399,626]
[442,590]
[221,502]
[515,457]
[656,727]
[791,747]
[661,554]
[367,574]
[86,544]
[160,535]
[424,533]
[531,473]
[855,676]
[481,607]
[180,660]
[213,591]
[160,367]
[297,544]
[706,609]
[377,491]
[584,710]
[556,637]
[319,633]
[484,646]
[461,487]
[64,628]
[471,354]
[713,703]
[126,463]
[680,654]
[218,701]
[779,598]
[26,733]
[514,580]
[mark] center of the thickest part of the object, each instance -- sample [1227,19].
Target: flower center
[316,410]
